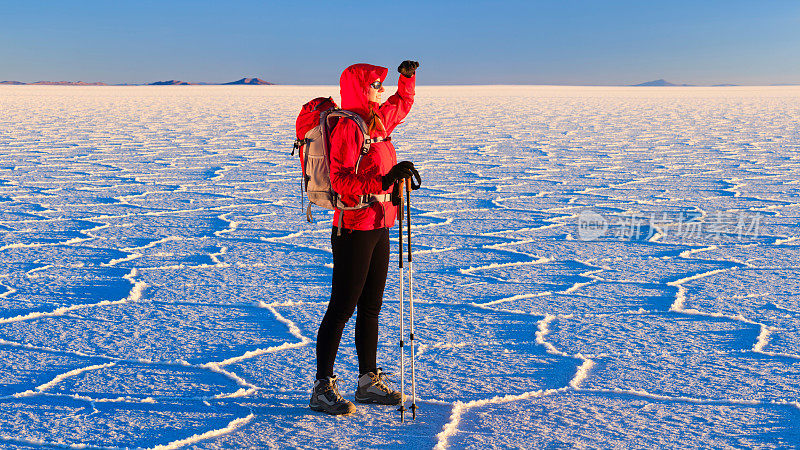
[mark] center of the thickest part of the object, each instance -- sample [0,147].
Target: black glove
[408,68]
[401,171]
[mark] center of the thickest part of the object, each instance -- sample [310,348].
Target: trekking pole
[411,300]
[402,408]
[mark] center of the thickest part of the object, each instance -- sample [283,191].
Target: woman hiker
[361,250]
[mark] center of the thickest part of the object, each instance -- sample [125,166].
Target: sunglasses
[376,85]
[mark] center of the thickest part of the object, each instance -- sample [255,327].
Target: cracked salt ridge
[135,254]
[136,293]
[680,299]
[491,266]
[786,240]
[459,408]
[72,241]
[9,291]
[170,212]
[214,367]
[232,225]
[59,378]
[594,425]
[134,296]
[584,369]
[294,330]
[232,426]
[576,286]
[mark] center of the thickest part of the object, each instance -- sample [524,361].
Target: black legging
[360,264]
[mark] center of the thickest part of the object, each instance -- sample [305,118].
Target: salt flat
[160,287]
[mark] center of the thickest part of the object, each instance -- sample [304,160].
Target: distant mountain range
[170,83]
[663,82]
[660,82]
[243,81]
[250,81]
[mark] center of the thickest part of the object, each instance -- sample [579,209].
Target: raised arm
[396,107]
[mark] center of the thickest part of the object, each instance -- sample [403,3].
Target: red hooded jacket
[346,140]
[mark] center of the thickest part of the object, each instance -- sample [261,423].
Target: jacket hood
[354,86]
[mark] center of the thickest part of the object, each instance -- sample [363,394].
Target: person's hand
[408,68]
[401,171]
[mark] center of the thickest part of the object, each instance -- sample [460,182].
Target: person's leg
[369,304]
[352,252]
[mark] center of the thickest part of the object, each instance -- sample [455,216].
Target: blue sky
[456,42]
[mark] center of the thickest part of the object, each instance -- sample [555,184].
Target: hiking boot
[326,398]
[372,389]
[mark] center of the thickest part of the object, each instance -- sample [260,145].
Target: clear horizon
[204,83]
[479,43]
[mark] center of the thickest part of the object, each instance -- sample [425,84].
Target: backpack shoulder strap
[364,131]
[326,116]
[341,113]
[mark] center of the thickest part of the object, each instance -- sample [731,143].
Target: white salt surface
[160,287]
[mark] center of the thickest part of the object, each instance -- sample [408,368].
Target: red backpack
[314,124]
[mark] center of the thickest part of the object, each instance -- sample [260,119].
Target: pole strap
[341,221]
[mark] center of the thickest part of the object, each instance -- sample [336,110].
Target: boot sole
[333,413]
[375,401]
